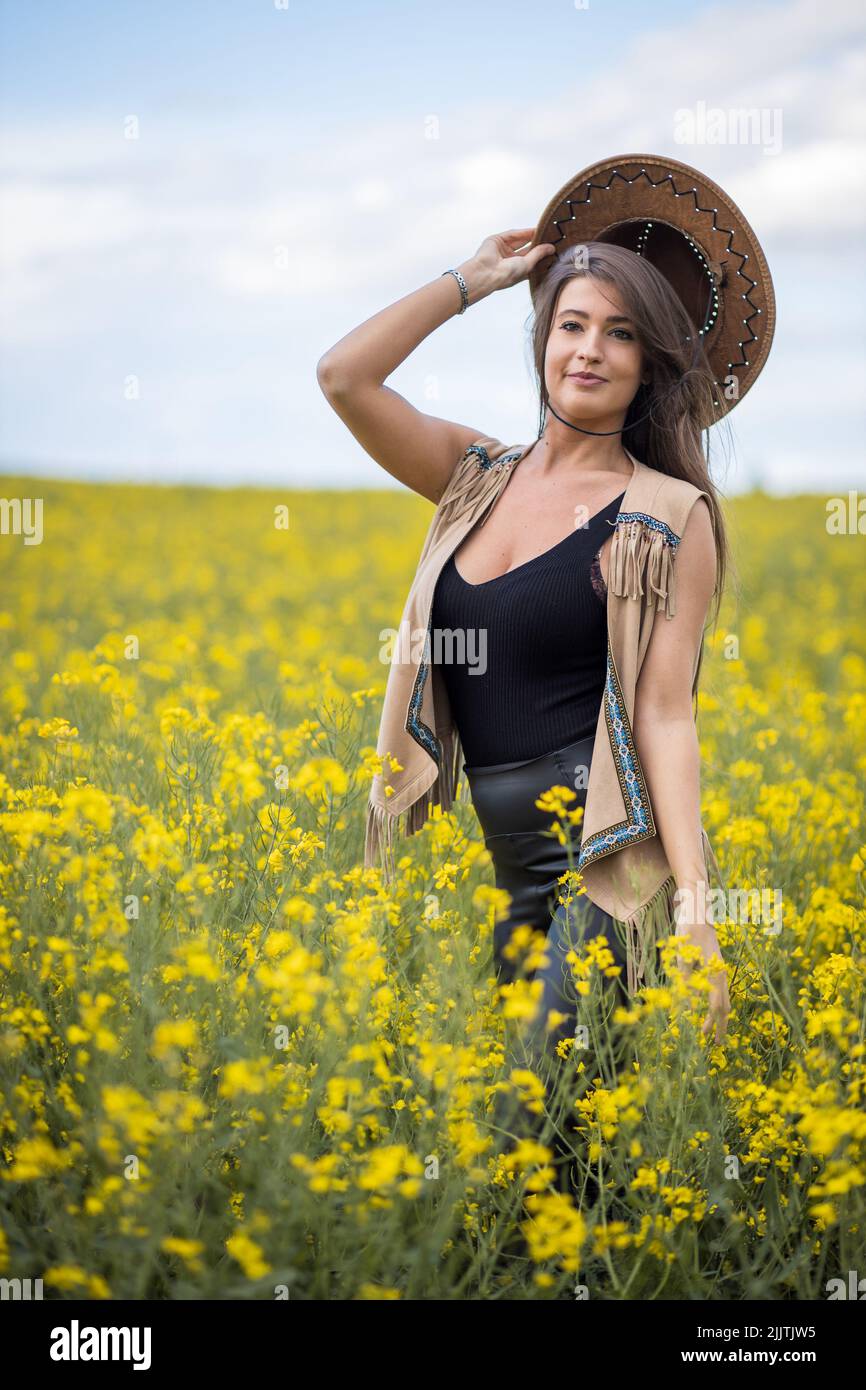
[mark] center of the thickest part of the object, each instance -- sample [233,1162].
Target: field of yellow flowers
[234,1065]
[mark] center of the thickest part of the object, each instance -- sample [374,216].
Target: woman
[655,317]
[610,339]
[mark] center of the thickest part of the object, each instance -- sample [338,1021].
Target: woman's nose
[591,343]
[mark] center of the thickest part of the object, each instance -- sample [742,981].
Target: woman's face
[591,333]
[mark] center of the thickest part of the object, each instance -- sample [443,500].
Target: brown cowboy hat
[691,231]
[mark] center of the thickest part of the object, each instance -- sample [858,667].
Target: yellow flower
[173,1033]
[554,801]
[321,777]
[66,1277]
[557,1229]
[248,1254]
[244,1078]
[57,729]
[386,1164]
[36,1158]
[188,1250]
[645,1178]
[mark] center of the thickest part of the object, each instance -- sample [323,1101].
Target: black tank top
[524,656]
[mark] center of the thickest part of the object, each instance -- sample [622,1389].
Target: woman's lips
[586,380]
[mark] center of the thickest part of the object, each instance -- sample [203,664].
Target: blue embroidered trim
[639,825]
[485,461]
[414,725]
[671,537]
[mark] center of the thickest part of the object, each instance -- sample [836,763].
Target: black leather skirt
[528,860]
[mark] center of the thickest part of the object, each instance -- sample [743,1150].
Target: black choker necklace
[580,427]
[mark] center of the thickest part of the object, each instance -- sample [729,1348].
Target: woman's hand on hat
[502,260]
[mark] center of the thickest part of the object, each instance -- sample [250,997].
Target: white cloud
[171,245]
[373,193]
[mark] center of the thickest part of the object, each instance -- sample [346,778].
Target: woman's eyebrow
[581,313]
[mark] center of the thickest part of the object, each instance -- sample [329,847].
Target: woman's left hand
[704,936]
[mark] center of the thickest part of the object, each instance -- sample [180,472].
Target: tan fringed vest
[621,858]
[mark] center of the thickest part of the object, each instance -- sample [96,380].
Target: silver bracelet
[464,293]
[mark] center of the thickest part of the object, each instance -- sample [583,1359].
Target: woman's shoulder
[673,496]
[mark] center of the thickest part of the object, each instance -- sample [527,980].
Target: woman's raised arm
[419,450]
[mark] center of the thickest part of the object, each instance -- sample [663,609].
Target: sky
[199,198]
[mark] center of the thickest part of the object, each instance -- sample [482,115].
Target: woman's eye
[572,323]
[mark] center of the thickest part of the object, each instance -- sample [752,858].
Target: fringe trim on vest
[644,929]
[482,482]
[642,562]
[384,830]
[378,841]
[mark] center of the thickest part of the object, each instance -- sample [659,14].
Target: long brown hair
[662,424]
